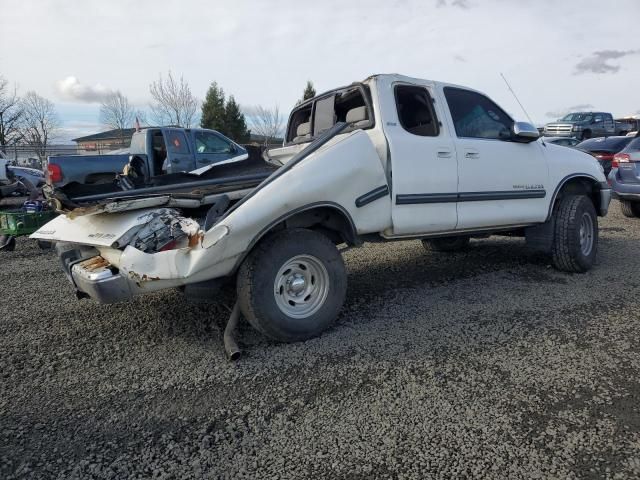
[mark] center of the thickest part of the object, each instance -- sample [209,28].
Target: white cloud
[71,89]
[598,62]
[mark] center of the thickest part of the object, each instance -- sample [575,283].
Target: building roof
[116,134]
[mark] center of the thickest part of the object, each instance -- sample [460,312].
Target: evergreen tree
[213,109]
[309,91]
[234,122]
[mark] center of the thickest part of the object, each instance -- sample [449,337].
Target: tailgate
[98,230]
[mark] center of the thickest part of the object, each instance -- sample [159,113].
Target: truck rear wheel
[292,286]
[575,238]
[630,209]
[446,244]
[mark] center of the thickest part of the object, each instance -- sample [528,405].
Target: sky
[557,55]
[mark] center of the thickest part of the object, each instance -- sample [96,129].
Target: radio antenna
[516,97]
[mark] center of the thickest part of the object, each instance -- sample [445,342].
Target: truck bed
[220,179]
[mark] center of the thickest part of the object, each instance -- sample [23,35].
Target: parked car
[582,125]
[154,153]
[8,182]
[628,125]
[388,158]
[31,180]
[604,149]
[625,178]
[564,141]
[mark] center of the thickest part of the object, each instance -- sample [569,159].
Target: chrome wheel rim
[301,286]
[586,234]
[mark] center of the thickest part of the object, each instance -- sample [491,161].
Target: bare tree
[39,123]
[10,114]
[173,102]
[117,113]
[266,122]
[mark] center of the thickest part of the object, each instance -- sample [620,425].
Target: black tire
[446,244]
[7,243]
[45,245]
[586,135]
[572,214]
[275,310]
[630,209]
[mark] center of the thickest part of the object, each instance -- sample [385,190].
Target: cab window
[475,116]
[207,142]
[415,110]
[343,105]
[176,142]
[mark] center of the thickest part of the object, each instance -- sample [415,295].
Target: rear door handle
[471,154]
[444,154]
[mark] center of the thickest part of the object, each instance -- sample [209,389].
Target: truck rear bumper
[95,278]
[106,290]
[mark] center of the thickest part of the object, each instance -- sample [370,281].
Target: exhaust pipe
[231,348]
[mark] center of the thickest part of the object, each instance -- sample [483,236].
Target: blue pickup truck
[154,152]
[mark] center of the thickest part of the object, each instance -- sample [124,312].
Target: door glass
[207,142]
[176,142]
[475,116]
[415,111]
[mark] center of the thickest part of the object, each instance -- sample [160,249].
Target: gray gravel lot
[483,364]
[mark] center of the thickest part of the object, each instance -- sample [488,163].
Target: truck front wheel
[630,209]
[292,286]
[446,244]
[575,238]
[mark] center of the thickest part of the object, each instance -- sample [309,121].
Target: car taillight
[619,158]
[54,173]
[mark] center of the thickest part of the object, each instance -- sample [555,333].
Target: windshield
[577,117]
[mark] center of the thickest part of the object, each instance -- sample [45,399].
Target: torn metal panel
[108,229]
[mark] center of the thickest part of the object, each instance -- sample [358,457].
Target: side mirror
[524,132]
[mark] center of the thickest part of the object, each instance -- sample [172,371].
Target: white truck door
[424,172]
[500,182]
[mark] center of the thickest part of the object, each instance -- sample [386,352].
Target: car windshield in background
[577,117]
[601,144]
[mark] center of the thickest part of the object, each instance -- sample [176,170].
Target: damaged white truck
[388,158]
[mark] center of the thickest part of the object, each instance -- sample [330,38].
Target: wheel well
[579,186]
[331,221]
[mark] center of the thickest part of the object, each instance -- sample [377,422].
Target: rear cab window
[350,104]
[415,110]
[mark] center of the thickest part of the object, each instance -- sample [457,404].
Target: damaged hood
[104,229]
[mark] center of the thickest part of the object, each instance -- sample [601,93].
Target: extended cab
[388,158]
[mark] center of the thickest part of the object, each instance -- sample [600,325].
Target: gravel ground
[483,364]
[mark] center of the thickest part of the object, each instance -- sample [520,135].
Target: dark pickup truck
[160,161]
[165,150]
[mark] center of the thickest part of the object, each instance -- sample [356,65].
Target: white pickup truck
[388,158]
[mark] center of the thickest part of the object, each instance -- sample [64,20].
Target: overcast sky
[557,55]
